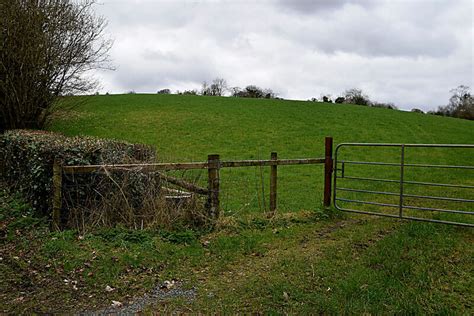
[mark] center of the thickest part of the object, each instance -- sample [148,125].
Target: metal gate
[402,188]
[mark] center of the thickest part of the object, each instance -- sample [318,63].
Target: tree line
[219,87]
[357,97]
[460,103]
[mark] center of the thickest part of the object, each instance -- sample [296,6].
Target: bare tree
[217,88]
[356,96]
[460,104]
[47,49]
[205,88]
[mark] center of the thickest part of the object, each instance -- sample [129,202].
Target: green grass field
[306,260]
[190,127]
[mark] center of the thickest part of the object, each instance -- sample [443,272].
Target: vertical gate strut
[402,167]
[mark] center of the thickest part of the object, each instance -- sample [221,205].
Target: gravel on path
[164,291]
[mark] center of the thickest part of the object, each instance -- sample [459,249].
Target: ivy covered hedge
[27,157]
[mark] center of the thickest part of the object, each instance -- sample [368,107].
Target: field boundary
[213,165]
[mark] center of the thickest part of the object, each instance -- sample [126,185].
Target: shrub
[327,99]
[253,91]
[190,92]
[164,91]
[389,106]
[339,100]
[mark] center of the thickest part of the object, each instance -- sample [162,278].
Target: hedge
[27,158]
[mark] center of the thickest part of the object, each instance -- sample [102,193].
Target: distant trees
[323,98]
[356,96]
[235,91]
[327,99]
[252,91]
[217,88]
[190,92]
[205,90]
[417,111]
[339,100]
[460,104]
[270,94]
[385,105]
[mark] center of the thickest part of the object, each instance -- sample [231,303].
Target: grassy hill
[188,128]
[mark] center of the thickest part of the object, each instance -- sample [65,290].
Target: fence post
[57,194]
[328,169]
[273,185]
[213,186]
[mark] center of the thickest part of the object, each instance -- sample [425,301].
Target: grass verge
[300,262]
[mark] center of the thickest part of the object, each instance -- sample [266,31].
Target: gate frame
[401,180]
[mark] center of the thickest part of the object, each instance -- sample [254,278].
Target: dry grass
[132,198]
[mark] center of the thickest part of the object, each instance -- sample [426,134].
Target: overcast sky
[409,52]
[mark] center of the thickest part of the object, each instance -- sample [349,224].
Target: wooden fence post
[328,169]
[273,185]
[57,195]
[213,185]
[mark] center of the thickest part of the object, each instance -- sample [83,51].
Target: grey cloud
[150,13]
[314,6]
[159,70]
[387,40]
[391,31]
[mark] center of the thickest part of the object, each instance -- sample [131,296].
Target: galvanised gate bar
[342,171]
